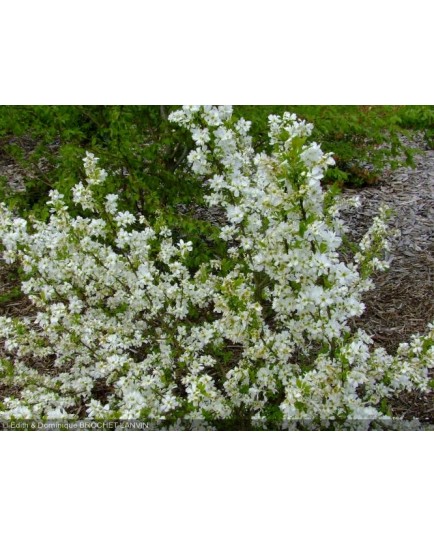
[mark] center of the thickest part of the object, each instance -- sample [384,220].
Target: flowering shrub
[260,336]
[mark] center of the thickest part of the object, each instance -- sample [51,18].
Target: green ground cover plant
[363,139]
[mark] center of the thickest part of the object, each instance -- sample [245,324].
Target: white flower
[235,214]
[185,247]
[83,196]
[111,203]
[200,136]
[124,218]
[57,414]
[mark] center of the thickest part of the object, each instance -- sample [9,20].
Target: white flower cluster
[125,330]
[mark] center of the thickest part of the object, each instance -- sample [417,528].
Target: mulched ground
[402,302]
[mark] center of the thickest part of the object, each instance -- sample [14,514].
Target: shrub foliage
[258,334]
